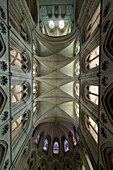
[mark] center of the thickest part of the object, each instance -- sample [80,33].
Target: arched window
[51,24]
[77,109]
[56,147]
[66,146]
[19,92]
[19,60]
[77,46]
[2,152]
[92,94]
[74,141]
[92,60]
[35,67]
[46,145]
[92,128]
[77,68]
[93,23]
[34,107]
[19,124]
[107,154]
[77,89]
[35,88]
[61,24]
[37,139]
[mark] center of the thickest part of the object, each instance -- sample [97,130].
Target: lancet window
[93,23]
[19,124]
[19,92]
[92,59]
[92,93]
[19,60]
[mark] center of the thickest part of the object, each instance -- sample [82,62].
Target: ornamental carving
[5,129]
[3,99]
[3,65]
[106,10]
[105,65]
[6,164]
[4,116]
[3,80]
[2,28]
[104,118]
[103,132]
[2,13]
[2,46]
[105,81]
[106,26]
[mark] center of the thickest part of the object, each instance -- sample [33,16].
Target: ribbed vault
[56,82]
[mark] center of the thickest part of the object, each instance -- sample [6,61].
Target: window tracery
[56,147]
[77,109]
[77,68]
[77,89]
[19,27]
[92,60]
[93,23]
[35,68]
[31,161]
[19,92]
[92,128]
[35,88]
[19,124]
[77,46]
[19,60]
[92,93]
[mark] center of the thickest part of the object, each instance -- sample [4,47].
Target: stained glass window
[56,147]
[74,141]
[46,144]
[37,139]
[66,146]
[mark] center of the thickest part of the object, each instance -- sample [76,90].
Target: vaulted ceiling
[56,67]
